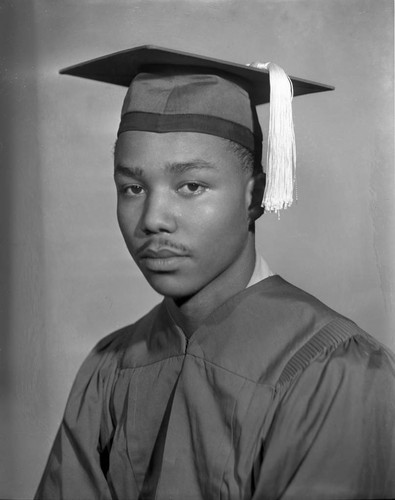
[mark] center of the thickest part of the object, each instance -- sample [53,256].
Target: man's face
[183,203]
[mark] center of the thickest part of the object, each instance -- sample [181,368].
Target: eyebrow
[181,167]
[134,172]
[172,168]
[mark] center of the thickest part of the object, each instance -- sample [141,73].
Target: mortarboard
[172,91]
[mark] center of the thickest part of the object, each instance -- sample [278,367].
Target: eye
[192,188]
[133,190]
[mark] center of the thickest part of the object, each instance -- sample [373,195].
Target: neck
[190,312]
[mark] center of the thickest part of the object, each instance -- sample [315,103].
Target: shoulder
[304,333]
[339,355]
[107,354]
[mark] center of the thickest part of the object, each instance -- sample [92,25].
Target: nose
[159,215]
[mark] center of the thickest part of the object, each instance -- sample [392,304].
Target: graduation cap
[174,91]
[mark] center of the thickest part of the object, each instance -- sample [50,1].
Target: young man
[238,385]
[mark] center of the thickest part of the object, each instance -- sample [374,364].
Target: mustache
[160,244]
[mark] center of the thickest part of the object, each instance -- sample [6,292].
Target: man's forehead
[172,144]
[172,168]
[173,153]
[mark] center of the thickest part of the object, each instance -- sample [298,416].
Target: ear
[257,189]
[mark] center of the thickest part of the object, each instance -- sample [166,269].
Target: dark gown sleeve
[333,435]
[74,469]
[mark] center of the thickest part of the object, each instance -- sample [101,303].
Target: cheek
[127,221]
[221,226]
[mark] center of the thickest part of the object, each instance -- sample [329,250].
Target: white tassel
[281,151]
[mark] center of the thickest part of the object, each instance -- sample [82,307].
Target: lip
[161,260]
[161,253]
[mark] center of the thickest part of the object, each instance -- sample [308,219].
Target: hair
[251,164]
[244,155]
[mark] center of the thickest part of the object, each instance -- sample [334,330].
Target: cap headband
[205,124]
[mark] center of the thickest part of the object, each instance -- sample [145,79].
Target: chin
[171,285]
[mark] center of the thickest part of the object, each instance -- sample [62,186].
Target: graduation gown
[274,396]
